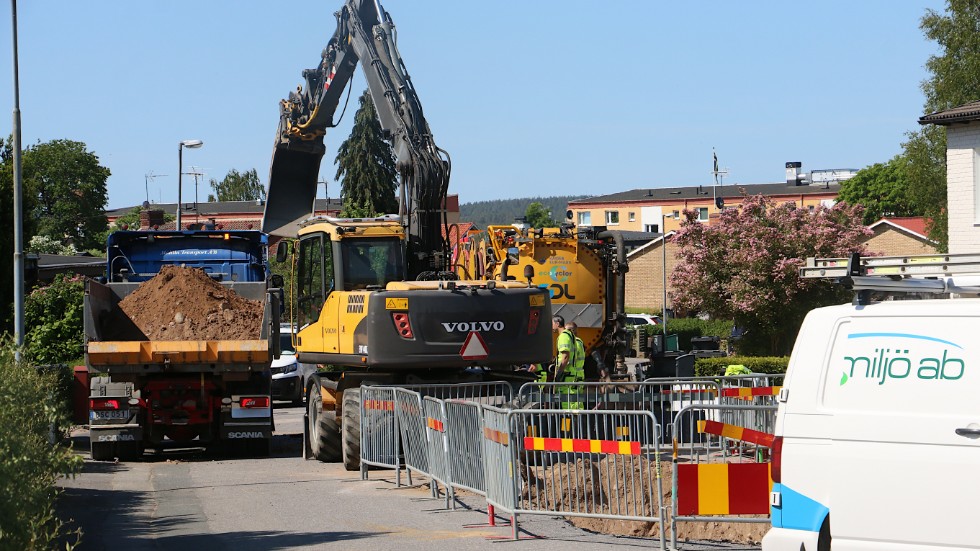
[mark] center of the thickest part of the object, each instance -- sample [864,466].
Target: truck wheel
[129,451]
[352,429]
[323,429]
[103,451]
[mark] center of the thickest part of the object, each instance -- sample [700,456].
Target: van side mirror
[283,250]
[277,281]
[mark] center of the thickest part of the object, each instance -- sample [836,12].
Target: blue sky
[530,98]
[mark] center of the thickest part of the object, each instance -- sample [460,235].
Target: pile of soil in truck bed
[185,304]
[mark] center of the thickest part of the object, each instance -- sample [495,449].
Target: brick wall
[644,281]
[964,232]
[889,241]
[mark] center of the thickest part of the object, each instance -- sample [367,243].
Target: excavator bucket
[292,189]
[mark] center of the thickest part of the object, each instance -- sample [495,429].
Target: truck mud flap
[245,431]
[116,433]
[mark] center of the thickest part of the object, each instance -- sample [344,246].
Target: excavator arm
[365,35]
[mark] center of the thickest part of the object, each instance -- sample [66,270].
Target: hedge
[710,367]
[689,328]
[30,404]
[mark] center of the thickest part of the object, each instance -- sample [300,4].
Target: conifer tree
[366,166]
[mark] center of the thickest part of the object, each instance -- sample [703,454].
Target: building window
[702,214]
[632,217]
[652,228]
[676,214]
[810,208]
[585,219]
[612,217]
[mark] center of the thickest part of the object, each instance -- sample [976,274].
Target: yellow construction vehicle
[583,269]
[376,298]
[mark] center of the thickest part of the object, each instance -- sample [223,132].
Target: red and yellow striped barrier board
[581,445]
[497,436]
[736,432]
[723,489]
[745,392]
[435,424]
[383,405]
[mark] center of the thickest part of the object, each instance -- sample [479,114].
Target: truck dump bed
[115,344]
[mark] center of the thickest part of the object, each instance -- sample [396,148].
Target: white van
[878,431]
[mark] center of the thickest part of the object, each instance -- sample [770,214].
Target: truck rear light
[403,325]
[532,322]
[254,402]
[776,468]
[103,403]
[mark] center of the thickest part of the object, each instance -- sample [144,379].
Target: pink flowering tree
[745,267]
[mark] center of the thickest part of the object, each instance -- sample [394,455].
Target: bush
[53,316]
[711,367]
[31,465]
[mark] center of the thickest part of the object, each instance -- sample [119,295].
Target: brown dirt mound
[588,486]
[185,304]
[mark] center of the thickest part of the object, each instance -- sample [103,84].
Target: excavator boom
[365,35]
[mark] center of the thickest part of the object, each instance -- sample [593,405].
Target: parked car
[642,319]
[289,376]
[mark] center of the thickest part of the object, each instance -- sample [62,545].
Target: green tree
[745,267]
[69,189]
[953,81]
[238,186]
[538,216]
[366,166]
[882,189]
[53,319]
[7,231]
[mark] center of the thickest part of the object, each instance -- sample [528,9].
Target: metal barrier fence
[437,447]
[381,441]
[411,428]
[600,464]
[723,456]
[662,397]
[464,456]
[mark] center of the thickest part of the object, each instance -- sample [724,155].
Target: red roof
[914,224]
[464,228]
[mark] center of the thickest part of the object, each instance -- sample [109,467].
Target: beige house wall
[890,241]
[963,144]
[644,281]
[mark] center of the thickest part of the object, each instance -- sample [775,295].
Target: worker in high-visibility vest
[566,345]
[575,368]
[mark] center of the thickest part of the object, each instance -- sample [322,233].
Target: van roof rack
[937,274]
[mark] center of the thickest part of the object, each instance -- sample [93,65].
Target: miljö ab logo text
[901,360]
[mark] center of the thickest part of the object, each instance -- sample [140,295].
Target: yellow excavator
[377,299]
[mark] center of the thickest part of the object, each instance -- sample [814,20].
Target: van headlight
[290,368]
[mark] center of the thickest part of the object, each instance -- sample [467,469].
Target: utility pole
[18,204]
[195,171]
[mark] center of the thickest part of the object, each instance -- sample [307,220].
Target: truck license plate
[109,414]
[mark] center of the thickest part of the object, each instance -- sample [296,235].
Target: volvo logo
[467,326]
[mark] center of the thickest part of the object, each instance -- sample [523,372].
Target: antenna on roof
[146,182]
[719,174]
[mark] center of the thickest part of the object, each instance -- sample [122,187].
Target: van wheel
[351,437]
[823,543]
[323,429]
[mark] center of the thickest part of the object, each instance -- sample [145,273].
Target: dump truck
[180,389]
[376,297]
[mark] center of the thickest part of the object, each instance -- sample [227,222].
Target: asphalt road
[186,500]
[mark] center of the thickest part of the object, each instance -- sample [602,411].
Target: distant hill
[503,211]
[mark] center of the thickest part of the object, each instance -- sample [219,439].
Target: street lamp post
[190,144]
[18,203]
[663,246]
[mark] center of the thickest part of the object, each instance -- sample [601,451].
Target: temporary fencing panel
[464,428]
[602,464]
[380,443]
[662,397]
[411,426]
[727,472]
[437,445]
[499,455]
